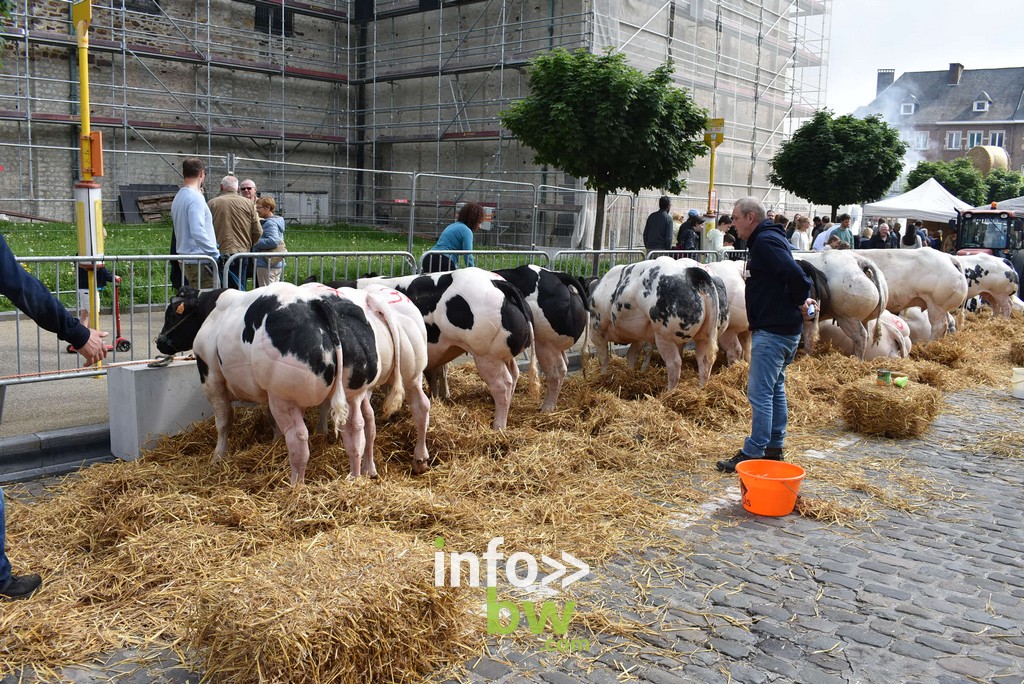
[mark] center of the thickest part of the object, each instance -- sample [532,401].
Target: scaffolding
[334,100]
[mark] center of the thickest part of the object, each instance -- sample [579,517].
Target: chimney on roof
[956,70]
[885,79]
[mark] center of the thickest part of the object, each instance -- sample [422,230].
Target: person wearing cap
[659,227]
[687,238]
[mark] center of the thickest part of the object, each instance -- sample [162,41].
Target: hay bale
[346,606]
[950,351]
[873,409]
[1017,353]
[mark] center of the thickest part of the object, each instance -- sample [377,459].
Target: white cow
[472,311]
[735,341]
[293,348]
[850,290]
[993,279]
[927,278]
[894,339]
[663,301]
[919,325]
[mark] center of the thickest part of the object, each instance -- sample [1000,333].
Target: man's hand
[95,349]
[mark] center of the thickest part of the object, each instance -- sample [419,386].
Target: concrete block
[148,403]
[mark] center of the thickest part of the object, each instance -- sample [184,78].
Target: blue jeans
[5,565]
[766,390]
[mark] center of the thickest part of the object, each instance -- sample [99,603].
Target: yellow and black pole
[88,194]
[713,136]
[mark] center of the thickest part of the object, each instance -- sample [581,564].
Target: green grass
[146,282]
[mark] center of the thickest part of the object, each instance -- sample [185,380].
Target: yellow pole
[711,182]
[88,194]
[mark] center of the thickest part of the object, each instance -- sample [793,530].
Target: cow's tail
[575,283]
[339,402]
[871,271]
[393,401]
[513,294]
[705,284]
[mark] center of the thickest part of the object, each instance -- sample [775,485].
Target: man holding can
[777,298]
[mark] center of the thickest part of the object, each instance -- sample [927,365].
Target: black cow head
[185,315]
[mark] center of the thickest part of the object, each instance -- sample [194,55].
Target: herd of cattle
[292,347]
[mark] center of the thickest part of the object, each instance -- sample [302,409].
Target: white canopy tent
[927,202]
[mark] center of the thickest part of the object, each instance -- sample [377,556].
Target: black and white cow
[664,301]
[471,311]
[992,278]
[558,302]
[292,348]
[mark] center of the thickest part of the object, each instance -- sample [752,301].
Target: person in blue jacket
[39,304]
[778,297]
[457,236]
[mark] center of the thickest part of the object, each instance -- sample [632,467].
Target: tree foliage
[598,119]
[959,176]
[1002,185]
[844,160]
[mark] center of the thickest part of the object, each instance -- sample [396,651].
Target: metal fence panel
[594,262]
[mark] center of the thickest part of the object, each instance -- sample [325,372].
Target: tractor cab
[990,231]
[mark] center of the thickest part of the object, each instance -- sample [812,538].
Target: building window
[268,20]
[953,140]
[974,138]
[997,138]
[920,140]
[981,105]
[907,108]
[143,6]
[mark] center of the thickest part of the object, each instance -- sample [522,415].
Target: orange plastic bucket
[769,487]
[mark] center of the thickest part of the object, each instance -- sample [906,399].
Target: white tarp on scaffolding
[927,202]
[1013,204]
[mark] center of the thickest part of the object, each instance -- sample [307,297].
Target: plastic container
[884,377]
[1017,383]
[769,487]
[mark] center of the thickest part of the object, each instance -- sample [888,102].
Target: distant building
[943,114]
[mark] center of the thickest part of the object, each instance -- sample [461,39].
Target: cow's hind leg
[857,333]
[353,437]
[291,420]
[370,434]
[420,407]
[223,415]
[552,362]
[670,354]
[499,380]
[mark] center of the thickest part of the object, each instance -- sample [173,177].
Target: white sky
[916,35]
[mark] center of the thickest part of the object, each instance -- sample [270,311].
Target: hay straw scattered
[170,551]
[1006,444]
[1017,353]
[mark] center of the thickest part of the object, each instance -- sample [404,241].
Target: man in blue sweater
[39,304]
[778,294]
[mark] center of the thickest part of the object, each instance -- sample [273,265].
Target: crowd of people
[803,233]
[236,221]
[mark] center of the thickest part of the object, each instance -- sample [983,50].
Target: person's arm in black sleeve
[786,268]
[36,300]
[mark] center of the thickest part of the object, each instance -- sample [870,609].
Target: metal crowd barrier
[325,266]
[594,262]
[495,259]
[703,256]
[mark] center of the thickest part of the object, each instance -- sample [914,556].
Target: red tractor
[991,231]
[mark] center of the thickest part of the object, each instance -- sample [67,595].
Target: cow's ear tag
[181,309]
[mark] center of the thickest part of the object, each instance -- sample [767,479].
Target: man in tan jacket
[237,226]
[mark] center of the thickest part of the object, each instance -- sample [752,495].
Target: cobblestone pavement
[934,596]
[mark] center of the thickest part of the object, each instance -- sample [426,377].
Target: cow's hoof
[419,467]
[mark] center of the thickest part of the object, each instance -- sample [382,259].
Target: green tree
[1001,185]
[598,119]
[844,160]
[958,176]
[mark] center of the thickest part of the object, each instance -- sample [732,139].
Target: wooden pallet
[154,208]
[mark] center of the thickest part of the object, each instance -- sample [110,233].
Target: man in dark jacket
[39,304]
[658,229]
[883,239]
[777,297]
